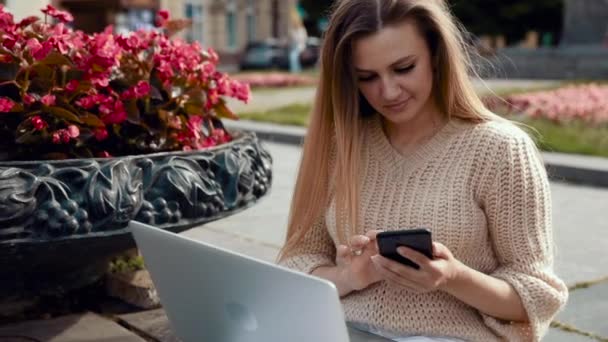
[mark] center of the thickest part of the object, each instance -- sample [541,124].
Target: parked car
[310,56]
[264,55]
[270,54]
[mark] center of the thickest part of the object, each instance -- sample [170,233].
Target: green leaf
[27,137]
[63,114]
[163,115]
[41,70]
[155,94]
[92,120]
[193,108]
[223,112]
[8,71]
[55,58]
[133,114]
[41,85]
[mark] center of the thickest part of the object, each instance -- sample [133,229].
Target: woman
[398,139]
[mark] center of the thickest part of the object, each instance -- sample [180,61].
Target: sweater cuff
[542,296]
[307,263]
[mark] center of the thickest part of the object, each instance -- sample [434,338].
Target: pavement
[580,235]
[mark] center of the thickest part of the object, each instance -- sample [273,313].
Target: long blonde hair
[339,110]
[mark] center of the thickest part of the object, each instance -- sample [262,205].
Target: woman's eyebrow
[399,61]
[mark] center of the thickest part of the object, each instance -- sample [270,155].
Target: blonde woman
[398,139]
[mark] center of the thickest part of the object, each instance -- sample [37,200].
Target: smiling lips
[398,106]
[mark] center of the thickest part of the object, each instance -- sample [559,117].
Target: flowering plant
[67,94]
[585,102]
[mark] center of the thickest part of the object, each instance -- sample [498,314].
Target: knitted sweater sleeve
[518,209]
[315,250]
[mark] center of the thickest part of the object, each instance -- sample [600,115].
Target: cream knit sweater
[483,192]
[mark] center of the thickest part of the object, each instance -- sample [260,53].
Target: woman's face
[394,71]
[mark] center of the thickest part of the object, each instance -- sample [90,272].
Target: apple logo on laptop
[241,316]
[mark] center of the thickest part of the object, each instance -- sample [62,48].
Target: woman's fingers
[342,254]
[415,256]
[371,234]
[441,251]
[359,241]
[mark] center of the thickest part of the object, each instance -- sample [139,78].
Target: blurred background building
[226,25]
[551,39]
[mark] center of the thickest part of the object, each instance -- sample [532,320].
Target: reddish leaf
[55,58]
[92,120]
[63,114]
[193,108]
[41,70]
[223,112]
[133,114]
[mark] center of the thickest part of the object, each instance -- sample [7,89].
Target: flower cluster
[67,94]
[586,102]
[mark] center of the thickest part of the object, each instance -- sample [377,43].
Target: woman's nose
[390,89]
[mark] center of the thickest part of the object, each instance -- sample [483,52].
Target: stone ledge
[87,327]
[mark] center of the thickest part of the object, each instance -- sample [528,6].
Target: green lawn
[296,114]
[575,137]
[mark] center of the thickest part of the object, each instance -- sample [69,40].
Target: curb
[577,169]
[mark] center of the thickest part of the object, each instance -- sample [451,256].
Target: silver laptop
[212,294]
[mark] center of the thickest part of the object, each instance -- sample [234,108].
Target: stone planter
[61,221]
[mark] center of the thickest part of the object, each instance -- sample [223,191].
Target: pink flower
[6,19]
[101,134]
[142,89]
[161,18]
[104,154]
[48,100]
[33,45]
[116,115]
[6,58]
[62,16]
[56,138]
[43,51]
[6,105]
[61,136]
[213,56]
[72,85]
[175,122]
[38,123]
[28,21]
[73,131]
[28,99]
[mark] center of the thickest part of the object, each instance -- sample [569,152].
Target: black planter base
[61,221]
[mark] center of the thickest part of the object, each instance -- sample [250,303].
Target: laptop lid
[212,294]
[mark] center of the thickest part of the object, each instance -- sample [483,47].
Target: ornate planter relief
[52,212]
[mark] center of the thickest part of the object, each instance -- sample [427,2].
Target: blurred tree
[511,19]
[316,10]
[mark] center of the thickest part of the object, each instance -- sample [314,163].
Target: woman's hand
[355,262]
[435,274]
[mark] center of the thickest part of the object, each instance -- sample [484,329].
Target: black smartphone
[416,239]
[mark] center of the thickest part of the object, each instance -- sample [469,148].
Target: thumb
[342,254]
[441,251]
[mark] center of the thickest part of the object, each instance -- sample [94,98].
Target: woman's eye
[366,78]
[406,69]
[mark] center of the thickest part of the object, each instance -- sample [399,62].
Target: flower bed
[275,79]
[587,103]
